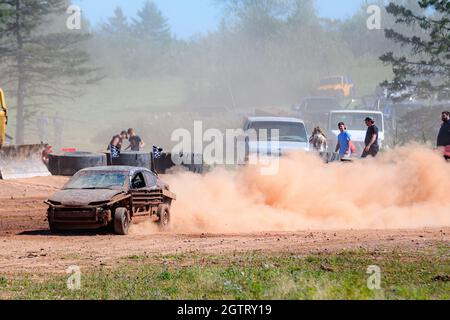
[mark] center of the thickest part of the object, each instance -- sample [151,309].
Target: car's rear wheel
[121,221]
[164,216]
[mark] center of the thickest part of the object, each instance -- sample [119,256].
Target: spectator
[136,143]
[371,142]
[318,140]
[46,155]
[443,140]
[114,147]
[123,137]
[344,141]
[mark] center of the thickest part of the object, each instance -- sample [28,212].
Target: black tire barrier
[196,164]
[131,159]
[165,163]
[69,163]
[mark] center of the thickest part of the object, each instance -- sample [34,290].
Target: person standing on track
[318,140]
[344,141]
[443,140]
[372,147]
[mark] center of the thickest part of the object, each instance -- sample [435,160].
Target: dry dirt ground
[27,246]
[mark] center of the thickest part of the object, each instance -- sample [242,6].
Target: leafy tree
[39,65]
[151,25]
[427,68]
[260,19]
[117,25]
[303,13]
[419,125]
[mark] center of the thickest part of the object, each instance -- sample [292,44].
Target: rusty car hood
[81,197]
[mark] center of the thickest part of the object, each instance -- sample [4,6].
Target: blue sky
[188,17]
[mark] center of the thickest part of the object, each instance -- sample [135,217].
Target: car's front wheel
[52,226]
[164,216]
[121,221]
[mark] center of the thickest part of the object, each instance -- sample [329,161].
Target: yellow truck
[23,161]
[339,86]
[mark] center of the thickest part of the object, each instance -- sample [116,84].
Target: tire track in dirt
[27,246]
[22,205]
[22,214]
[44,253]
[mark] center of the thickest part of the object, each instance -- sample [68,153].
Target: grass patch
[416,275]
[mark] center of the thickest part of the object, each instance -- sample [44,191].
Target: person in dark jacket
[372,147]
[136,143]
[443,140]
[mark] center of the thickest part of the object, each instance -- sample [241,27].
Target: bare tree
[41,66]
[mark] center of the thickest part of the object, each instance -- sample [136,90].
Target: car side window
[138,181]
[151,179]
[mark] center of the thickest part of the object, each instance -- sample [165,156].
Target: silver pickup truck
[275,135]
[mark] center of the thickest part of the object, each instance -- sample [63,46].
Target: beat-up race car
[113,196]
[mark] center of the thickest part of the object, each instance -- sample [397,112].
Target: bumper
[79,218]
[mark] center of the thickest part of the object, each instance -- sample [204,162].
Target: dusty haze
[404,188]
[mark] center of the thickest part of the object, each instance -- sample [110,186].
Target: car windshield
[288,131]
[97,180]
[355,121]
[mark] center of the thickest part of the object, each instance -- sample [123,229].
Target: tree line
[263,52]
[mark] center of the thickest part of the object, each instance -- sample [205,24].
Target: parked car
[292,135]
[315,110]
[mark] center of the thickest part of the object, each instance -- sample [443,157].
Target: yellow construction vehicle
[3,118]
[16,162]
[340,86]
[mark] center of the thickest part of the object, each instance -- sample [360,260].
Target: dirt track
[27,246]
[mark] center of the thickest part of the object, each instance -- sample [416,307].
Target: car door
[139,190]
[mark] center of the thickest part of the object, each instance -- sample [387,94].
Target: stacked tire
[69,163]
[131,159]
[164,163]
[195,163]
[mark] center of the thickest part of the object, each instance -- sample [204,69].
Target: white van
[356,127]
